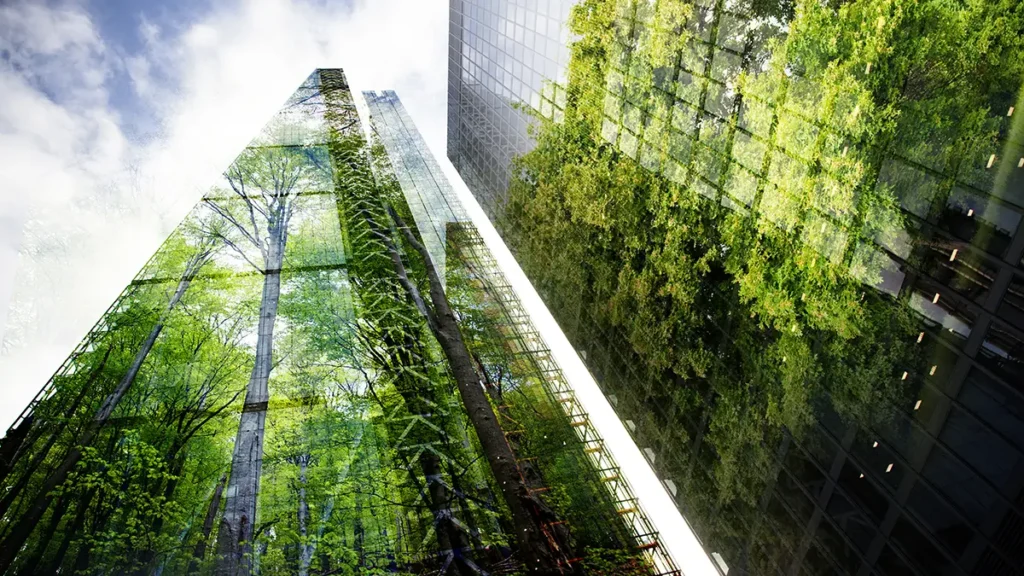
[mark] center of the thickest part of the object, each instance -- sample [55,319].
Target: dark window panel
[804,472]
[938,518]
[844,554]
[956,266]
[891,563]
[862,490]
[817,562]
[1009,537]
[852,519]
[876,456]
[995,404]
[985,451]
[992,563]
[790,491]
[1002,354]
[920,550]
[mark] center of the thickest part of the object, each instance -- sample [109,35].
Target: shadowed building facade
[502,58]
[744,121]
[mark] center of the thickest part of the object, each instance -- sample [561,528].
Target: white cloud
[96,205]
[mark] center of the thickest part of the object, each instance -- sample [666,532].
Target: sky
[115,116]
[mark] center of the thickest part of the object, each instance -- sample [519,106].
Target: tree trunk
[13,445]
[237,525]
[451,538]
[306,547]
[26,474]
[467,512]
[539,552]
[211,516]
[82,558]
[73,530]
[533,542]
[30,564]
[358,532]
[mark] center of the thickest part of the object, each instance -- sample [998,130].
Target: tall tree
[199,553]
[265,182]
[541,551]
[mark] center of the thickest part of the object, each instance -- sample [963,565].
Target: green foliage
[613,562]
[366,446]
[738,255]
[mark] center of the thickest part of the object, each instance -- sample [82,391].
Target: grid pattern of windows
[430,196]
[939,487]
[445,227]
[505,58]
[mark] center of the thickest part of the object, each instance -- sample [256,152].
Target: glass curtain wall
[287,387]
[500,54]
[786,238]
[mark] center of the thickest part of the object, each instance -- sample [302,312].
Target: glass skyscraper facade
[281,389]
[786,239]
[505,59]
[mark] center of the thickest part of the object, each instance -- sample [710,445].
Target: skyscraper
[786,239]
[322,370]
[504,60]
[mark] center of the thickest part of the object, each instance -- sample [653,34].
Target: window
[938,518]
[919,548]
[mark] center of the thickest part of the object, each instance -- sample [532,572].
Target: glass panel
[957,267]
[1002,352]
[945,525]
[982,222]
[817,563]
[843,553]
[1011,308]
[891,563]
[859,528]
[996,405]
[980,447]
[920,549]
[945,317]
[880,466]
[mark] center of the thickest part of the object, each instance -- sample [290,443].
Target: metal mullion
[821,501]
[898,505]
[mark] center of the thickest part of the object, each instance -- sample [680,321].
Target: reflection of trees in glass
[724,222]
[267,182]
[552,462]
